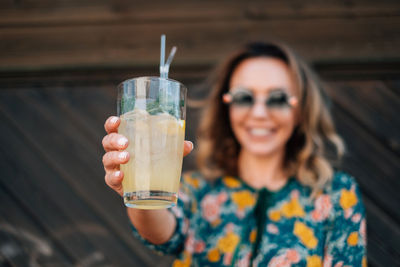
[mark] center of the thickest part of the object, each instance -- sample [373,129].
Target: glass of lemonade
[152,112]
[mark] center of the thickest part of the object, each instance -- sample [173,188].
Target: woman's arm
[156,226]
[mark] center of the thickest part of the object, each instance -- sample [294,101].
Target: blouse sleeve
[191,187]
[346,238]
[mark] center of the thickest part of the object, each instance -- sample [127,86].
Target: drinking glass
[152,112]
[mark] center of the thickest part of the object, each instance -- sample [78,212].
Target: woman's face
[262,130]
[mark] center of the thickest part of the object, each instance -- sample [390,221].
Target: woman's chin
[263,151]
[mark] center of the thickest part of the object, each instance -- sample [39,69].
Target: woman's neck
[262,171]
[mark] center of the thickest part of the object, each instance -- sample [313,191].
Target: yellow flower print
[314,261]
[253,236]
[177,263]
[364,262]
[192,181]
[231,182]
[194,206]
[243,199]
[352,240]
[216,222]
[275,215]
[183,263]
[228,243]
[305,234]
[347,199]
[292,209]
[213,255]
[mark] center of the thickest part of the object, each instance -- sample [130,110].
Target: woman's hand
[114,144]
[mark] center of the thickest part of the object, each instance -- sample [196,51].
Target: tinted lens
[278,100]
[242,98]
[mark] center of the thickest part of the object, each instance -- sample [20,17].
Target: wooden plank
[53,125]
[23,242]
[12,252]
[359,70]
[383,236]
[194,76]
[133,44]
[42,206]
[87,107]
[4,262]
[372,104]
[87,12]
[92,78]
[376,167]
[393,85]
[60,190]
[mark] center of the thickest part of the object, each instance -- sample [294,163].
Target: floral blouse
[229,223]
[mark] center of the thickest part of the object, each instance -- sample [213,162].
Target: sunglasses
[244,98]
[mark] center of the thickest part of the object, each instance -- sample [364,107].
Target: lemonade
[152,175]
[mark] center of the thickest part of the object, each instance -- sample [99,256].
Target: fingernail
[117,173]
[114,120]
[191,144]
[122,141]
[123,155]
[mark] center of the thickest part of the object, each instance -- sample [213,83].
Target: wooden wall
[60,62]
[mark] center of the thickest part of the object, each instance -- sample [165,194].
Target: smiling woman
[298,129]
[266,193]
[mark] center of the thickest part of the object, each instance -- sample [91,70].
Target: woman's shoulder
[341,180]
[343,189]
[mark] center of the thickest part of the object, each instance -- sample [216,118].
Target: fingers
[114,180]
[114,141]
[112,159]
[111,124]
[187,147]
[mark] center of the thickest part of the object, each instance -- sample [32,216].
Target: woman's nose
[259,109]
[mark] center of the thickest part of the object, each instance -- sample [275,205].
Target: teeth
[260,131]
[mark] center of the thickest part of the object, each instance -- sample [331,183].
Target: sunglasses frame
[227,98]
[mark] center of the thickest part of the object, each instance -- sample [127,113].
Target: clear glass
[152,112]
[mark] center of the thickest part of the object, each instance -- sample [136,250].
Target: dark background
[60,62]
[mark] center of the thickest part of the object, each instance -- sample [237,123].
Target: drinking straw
[164,67]
[169,60]
[162,54]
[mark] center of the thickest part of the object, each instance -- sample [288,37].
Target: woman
[266,193]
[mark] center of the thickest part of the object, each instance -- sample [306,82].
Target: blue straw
[162,55]
[169,60]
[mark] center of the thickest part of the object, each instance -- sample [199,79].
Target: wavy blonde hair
[306,155]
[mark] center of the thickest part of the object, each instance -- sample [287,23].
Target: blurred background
[60,63]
